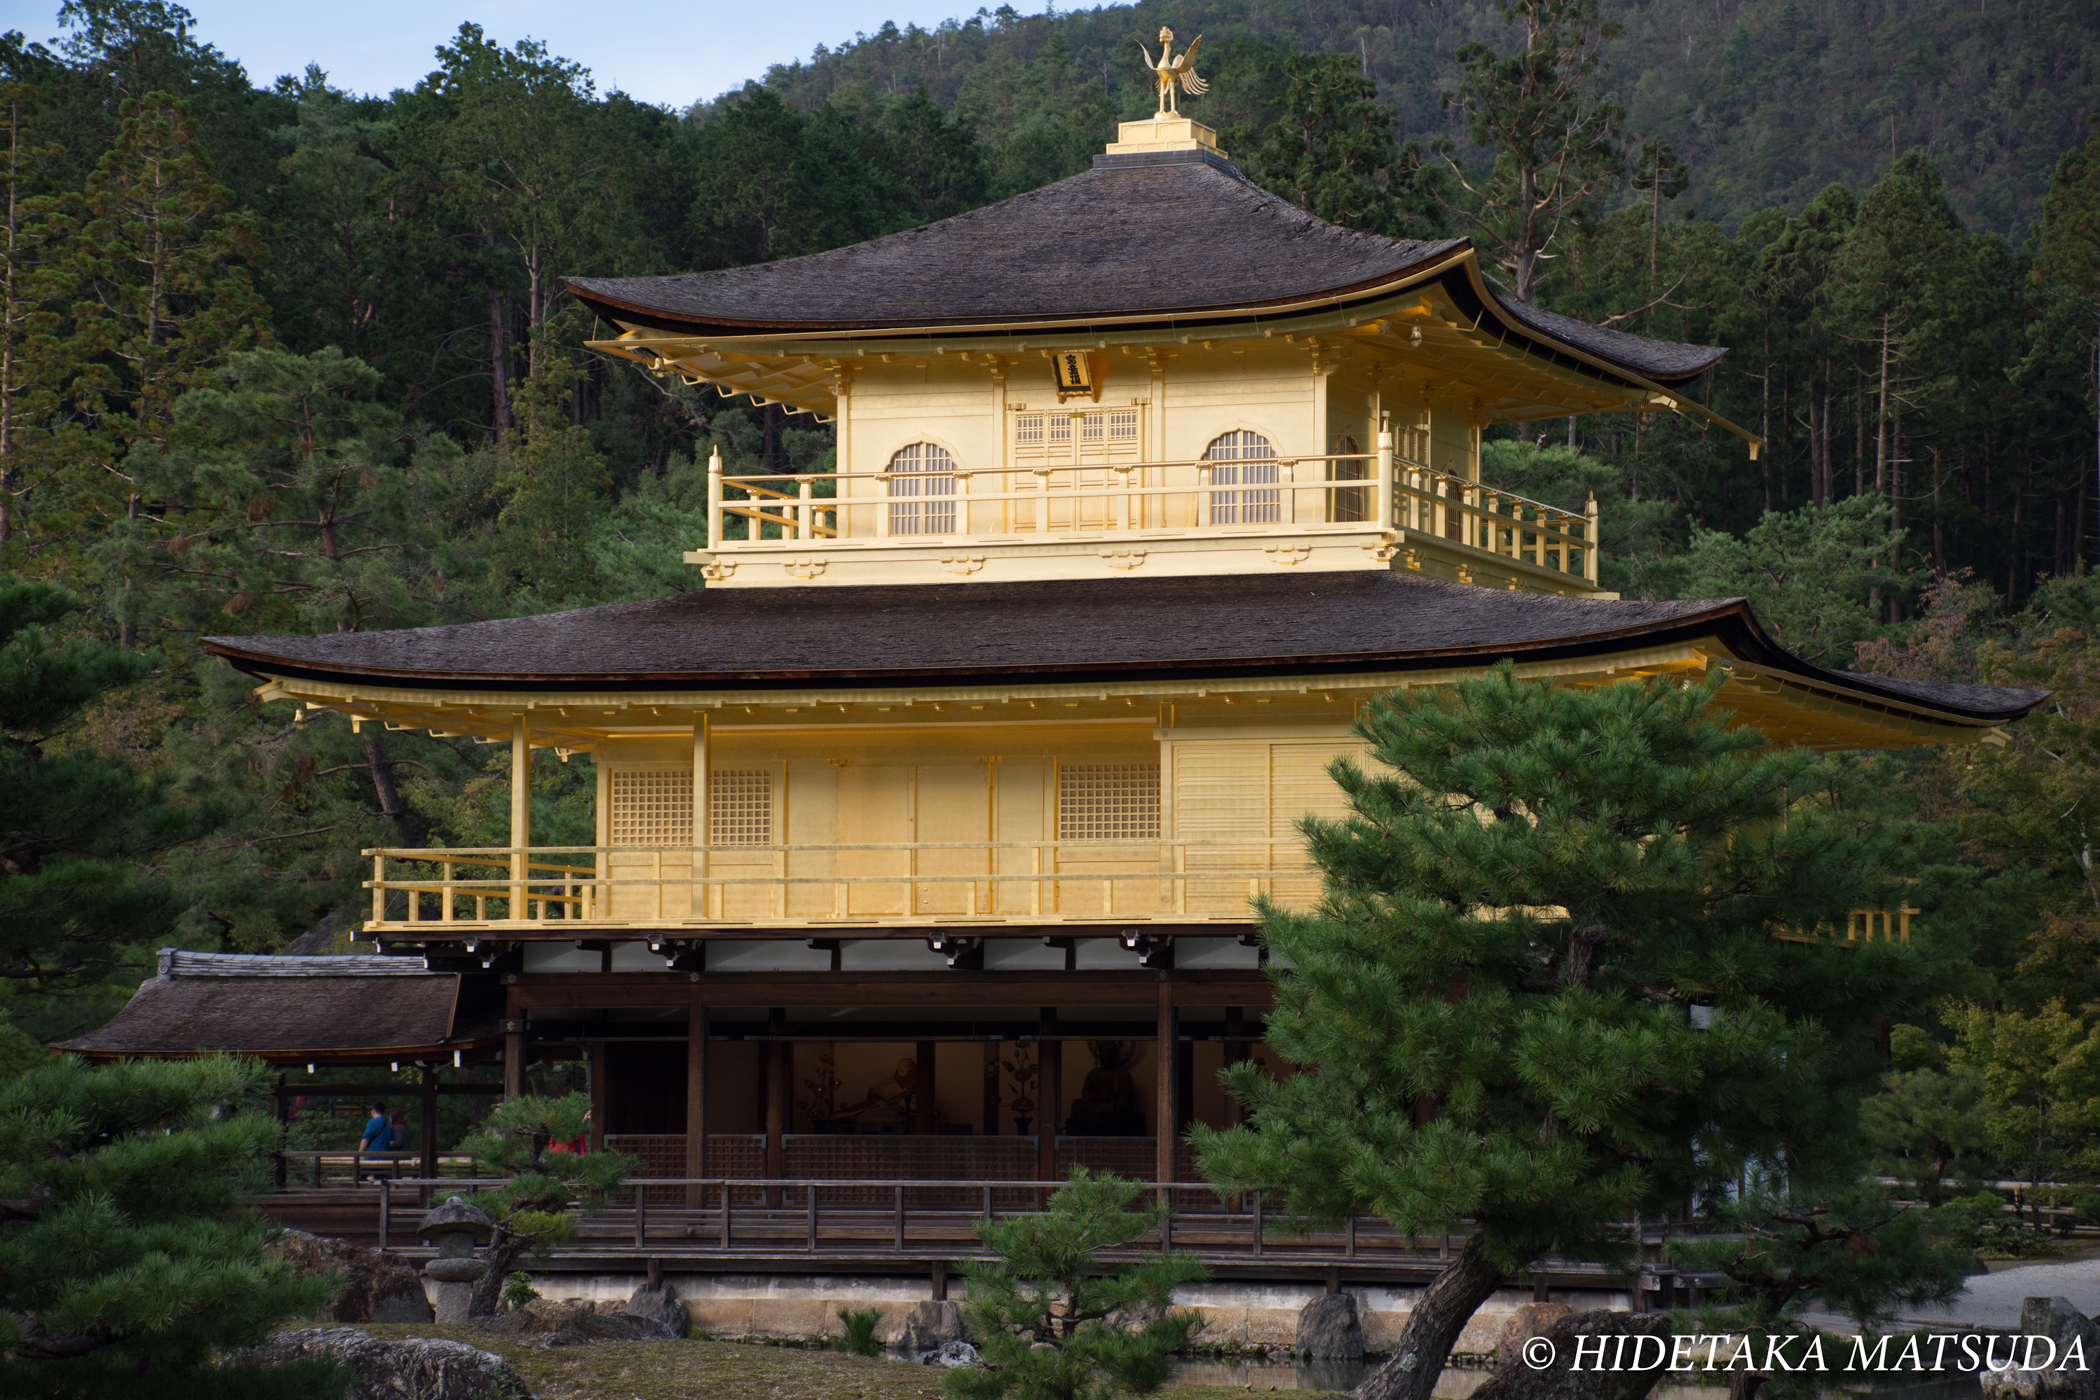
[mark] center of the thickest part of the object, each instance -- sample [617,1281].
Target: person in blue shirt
[378,1138]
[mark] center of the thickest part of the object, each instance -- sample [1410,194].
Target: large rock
[659,1305]
[1557,1379]
[929,1327]
[1531,1320]
[417,1368]
[2075,1340]
[1329,1328]
[377,1286]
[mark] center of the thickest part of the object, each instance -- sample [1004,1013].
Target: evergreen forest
[276,357]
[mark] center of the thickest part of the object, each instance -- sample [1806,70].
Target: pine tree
[74,824]
[1542,992]
[129,1264]
[1331,150]
[163,298]
[1051,1323]
[1556,138]
[532,1210]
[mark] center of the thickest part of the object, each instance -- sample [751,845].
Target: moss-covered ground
[718,1371]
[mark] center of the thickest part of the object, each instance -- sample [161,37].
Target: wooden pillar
[1235,1052]
[701,903]
[776,1096]
[991,1088]
[695,1100]
[280,1109]
[600,1092]
[1049,1093]
[922,1090]
[1165,1112]
[430,1128]
[520,813]
[513,1045]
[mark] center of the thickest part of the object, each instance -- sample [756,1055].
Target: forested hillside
[283,358]
[1768,100]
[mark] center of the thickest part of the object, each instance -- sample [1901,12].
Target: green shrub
[518,1290]
[858,1338]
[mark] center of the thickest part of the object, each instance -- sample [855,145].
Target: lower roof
[1112,628]
[285,1010]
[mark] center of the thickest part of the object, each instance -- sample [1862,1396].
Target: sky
[669,54]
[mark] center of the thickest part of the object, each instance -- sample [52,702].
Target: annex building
[928,820]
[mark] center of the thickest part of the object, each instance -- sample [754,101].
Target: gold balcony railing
[792,885]
[1347,492]
[921,885]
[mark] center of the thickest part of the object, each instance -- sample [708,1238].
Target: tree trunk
[1432,1329]
[504,1249]
[499,367]
[383,783]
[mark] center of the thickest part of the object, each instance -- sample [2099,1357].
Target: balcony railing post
[1589,542]
[714,499]
[804,520]
[378,887]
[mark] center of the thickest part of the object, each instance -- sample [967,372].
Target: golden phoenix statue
[1170,70]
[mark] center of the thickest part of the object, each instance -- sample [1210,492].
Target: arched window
[922,491]
[1243,459]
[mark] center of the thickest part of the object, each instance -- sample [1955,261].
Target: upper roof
[1104,628]
[285,1009]
[1167,235]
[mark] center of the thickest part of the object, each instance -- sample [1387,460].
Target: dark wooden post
[991,1088]
[600,1092]
[776,1093]
[280,1109]
[695,1100]
[430,1129]
[922,1106]
[1049,1093]
[1165,1112]
[513,1045]
[1235,1052]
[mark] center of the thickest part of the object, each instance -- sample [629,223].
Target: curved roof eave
[1729,621]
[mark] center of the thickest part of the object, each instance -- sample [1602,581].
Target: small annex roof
[1102,629]
[287,1010]
[1171,237]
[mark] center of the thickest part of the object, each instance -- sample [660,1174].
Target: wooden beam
[695,1100]
[513,1044]
[925,1062]
[1165,1109]
[1049,1093]
[601,1094]
[982,991]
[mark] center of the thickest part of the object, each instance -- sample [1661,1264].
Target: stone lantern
[456,1228]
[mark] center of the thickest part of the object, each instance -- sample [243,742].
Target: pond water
[1457,1382]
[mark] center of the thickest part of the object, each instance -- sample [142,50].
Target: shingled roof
[286,1010]
[1167,234]
[1103,628]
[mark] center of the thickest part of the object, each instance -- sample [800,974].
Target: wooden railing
[1341,491]
[1101,881]
[920,884]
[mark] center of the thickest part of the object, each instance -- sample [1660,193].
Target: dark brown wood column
[695,1101]
[1166,1114]
[1049,1092]
[776,1097]
[922,1089]
[430,1127]
[1235,1051]
[600,1074]
[513,1045]
[991,1088]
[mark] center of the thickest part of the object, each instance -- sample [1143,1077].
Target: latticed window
[740,807]
[922,491]
[1108,802]
[652,807]
[1243,459]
